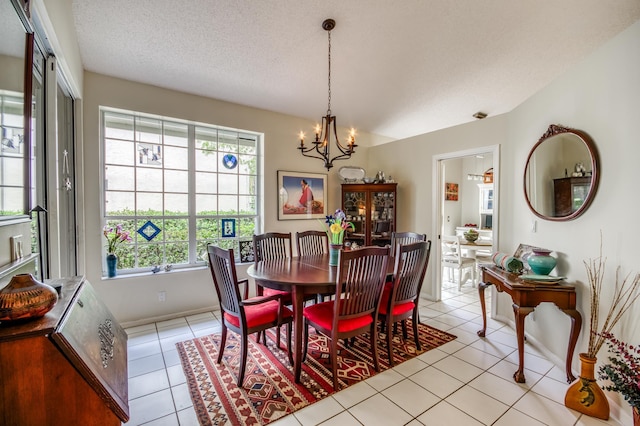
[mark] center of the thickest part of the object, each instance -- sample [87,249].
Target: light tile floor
[465,382]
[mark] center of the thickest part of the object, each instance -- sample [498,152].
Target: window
[177,186]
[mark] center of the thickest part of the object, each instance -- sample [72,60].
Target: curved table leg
[576,324]
[481,287]
[520,314]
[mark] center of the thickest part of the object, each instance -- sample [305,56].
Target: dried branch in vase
[624,295]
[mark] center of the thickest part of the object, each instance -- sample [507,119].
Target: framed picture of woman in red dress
[301,195]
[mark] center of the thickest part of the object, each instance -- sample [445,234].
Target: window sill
[146,274]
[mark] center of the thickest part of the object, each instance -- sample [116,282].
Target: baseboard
[167,317]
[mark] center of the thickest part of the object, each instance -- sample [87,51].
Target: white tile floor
[465,382]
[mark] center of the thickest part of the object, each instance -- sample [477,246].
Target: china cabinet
[569,194]
[372,210]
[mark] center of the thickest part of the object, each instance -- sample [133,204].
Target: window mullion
[191,143]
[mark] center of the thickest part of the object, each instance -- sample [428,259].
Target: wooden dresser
[66,368]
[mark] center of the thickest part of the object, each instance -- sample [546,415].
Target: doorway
[462,189]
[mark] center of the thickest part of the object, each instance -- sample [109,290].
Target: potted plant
[584,395]
[623,372]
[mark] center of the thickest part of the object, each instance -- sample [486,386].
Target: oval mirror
[561,174]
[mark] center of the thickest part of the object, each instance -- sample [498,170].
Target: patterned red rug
[269,391]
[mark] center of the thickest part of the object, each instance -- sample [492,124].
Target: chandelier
[321,145]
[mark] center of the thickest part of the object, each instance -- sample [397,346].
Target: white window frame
[195,259]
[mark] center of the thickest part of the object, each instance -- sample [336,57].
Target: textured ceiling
[399,68]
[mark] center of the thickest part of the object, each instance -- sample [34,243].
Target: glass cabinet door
[355,203]
[382,208]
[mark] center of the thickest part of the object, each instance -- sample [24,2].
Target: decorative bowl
[471,236]
[368,180]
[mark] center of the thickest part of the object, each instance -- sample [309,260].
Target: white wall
[601,96]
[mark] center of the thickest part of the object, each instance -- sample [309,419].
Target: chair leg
[334,363]
[405,335]
[415,321]
[306,340]
[289,348]
[223,342]
[243,359]
[390,341]
[374,346]
[277,337]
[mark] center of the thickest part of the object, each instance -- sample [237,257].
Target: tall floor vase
[584,395]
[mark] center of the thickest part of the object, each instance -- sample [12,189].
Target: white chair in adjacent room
[452,259]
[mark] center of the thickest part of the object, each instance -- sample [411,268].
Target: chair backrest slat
[403,238]
[272,245]
[411,264]
[223,269]
[360,279]
[310,243]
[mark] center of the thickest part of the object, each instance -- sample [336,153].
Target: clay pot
[25,297]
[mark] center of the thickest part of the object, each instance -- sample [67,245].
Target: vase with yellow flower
[336,225]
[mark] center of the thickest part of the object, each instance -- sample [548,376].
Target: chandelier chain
[329,104]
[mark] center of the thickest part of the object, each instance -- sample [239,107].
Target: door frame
[437,192]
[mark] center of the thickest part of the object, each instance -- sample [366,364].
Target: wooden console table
[526,296]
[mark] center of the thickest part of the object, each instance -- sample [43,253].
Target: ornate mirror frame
[541,178]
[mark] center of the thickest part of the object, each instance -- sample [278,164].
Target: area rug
[269,391]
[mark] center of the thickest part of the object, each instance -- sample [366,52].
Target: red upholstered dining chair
[270,246]
[359,281]
[405,238]
[399,299]
[244,315]
[310,243]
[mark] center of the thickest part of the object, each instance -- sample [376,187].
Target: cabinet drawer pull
[80,303]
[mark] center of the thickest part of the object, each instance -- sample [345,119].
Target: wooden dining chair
[310,243]
[400,297]
[244,315]
[271,246]
[405,238]
[359,281]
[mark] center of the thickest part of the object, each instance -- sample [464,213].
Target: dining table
[302,276]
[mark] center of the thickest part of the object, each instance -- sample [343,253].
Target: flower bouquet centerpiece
[115,237]
[335,227]
[623,371]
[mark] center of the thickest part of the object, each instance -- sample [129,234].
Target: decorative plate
[350,174]
[542,279]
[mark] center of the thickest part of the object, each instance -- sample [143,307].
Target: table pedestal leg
[576,324]
[481,288]
[298,322]
[520,314]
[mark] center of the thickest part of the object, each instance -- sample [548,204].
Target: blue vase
[541,262]
[334,251]
[112,265]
